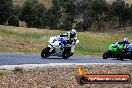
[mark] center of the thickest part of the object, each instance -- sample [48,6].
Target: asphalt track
[19,59]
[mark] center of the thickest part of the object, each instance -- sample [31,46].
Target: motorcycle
[114,52]
[58,46]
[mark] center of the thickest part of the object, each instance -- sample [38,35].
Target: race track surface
[18,59]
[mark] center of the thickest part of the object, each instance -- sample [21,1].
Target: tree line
[65,14]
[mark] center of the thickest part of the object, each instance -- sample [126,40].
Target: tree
[50,19]
[13,21]
[5,10]
[57,11]
[41,13]
[125,15]
[92,11]
[130,14]
[118,10]
[16,10]
[100,7]
[88,15]
[28,13]
[32,13]
[70,13]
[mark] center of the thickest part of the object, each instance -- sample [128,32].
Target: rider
[124,42]
[71,36]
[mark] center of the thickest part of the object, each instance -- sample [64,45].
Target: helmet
[72,33]
[125,40]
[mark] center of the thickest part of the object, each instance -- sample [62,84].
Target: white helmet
[73,33]
[125,40]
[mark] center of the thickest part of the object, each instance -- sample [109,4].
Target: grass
[97,43]
[20,35]
[31,40]
[4,72]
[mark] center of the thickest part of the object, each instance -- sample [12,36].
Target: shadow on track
[121,60]
[53,58]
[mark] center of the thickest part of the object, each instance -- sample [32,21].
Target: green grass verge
[26,40]
[4,72]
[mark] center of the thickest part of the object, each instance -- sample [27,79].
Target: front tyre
[45,52]
[106,55]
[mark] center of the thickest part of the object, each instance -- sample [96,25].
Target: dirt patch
[61,77]
[0,37]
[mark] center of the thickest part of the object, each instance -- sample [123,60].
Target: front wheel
[65,55]
[106,55]
[45,52]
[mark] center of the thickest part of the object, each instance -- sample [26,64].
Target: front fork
[51,48]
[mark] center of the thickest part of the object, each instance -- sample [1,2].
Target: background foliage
[66,14]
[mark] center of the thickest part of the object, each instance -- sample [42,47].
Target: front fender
[50,46]
[55,44]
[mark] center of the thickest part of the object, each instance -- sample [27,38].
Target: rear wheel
[66,53]
[130,57]
[45,52]
[119,58]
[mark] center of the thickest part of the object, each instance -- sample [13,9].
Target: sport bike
[58,46]
[114,52]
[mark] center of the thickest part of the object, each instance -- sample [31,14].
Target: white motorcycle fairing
[55,45]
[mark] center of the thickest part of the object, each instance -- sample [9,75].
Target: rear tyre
[65,55]
[45,52]
[121,56]
[130,57]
